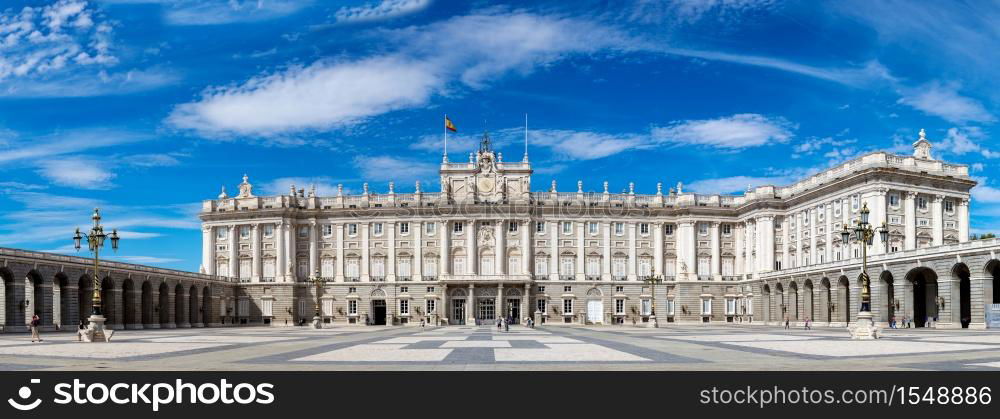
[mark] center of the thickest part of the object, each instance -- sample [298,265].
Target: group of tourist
[807,324]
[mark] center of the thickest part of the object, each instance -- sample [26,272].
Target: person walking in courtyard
[786,322]
[807,324]
[35,321]
[506,325]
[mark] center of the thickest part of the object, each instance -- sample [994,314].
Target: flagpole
[525,138]
[445,158]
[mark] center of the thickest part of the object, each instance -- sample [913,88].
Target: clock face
[486,185]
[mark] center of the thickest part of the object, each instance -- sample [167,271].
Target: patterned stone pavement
[486,348]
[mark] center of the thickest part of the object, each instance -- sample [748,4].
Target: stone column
[937,222]
[280,257]
[526,254]
[606,260]
[470,307]
[390,261]
[910,220]
[418,252]
[813,219]
[786,230]
[632,256]
[799,253]
[365,254]
[980,295]
[877,217]
[963,220]
[500,264]
[554,246]
[444,234]
[658,249]
[255,251]
[581,272]
[234,252]
[525,309]
[739,232]
[686,267]
[713,233]
[340,253]
[208,249]
[313,246]
[828,248]
[470,240]
[500,313]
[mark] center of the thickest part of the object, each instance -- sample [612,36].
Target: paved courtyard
[485,348]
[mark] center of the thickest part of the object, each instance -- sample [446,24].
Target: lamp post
[864,233]
[95,241]
[652,281]
[318,282]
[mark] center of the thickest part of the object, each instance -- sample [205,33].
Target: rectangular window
[404,228]
[377,229]
[727,267]
[430,306]
[670,307]
[703,228]
[540,305]
[894,200]
[566,265]
[619,306]
[706,307]
[221,232]
[618,268]
[352,229]
[245,269]
[303,231]
[568,288]
[268,230]
[352,307]
[244,232]
[567,306]
[540,226]
[727,229]
[512,226]
[458,226]
[730,306]
[704,265]
[429,228]
[353,269]
[327,230]
[458,267]
[670,267]
[269,269]
[404,307]
[592,227]
[669,229]
[643,228]
[921,203]
[567,227]
[403,268]
[430,267]
[855,202]
[949,205]
[646,307]
[619,229]
[326,270]
[645,267]
[541,266]
[593,267]
[514,265]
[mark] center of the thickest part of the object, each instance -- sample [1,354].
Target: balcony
[428,278]
[378,279]
[352,279]
[567,277]
[267,279]
[618,277]
[593,277]
[404,278]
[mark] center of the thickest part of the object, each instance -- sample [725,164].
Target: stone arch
[779,291]
[844,305]
[35,296]
[194,308]
[206,306]
[960,273]
[128,303]
[378,293]
[147,303]
[595,292]
[889,292]
[793,300]
[457,292]
[511,292]
[109,307]
[8,297]
[766,290]
[826,296]
[85,296]
[992,269]
[163,306]
[809,302]
[925,295]
[179,315]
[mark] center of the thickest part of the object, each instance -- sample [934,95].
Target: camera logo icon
[24,393]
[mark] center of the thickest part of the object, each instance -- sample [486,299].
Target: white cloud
[812,145]
[986,194]
[85,84]
[977,167]
[151,160]
[66,142]
[943,100]
[690,11]
[386,168]
[217,12]
[325,186]
[427,61]
[385,9]
[732,184]
[583,145]
[962,141]
[734,132]
[76,172]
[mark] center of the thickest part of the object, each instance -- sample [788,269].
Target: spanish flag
[448,125]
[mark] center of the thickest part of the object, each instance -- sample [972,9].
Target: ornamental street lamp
[318,282]
[95,241]
[652,281]
[864,233]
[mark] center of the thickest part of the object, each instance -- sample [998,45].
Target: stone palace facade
[486,245]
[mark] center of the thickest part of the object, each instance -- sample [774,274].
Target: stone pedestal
[653,322]
[95,330]
[317,322]
[538,317]
[864,328]
[434,320]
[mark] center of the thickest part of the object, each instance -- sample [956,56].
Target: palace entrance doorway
[458,311]
[514,309]
[378,312]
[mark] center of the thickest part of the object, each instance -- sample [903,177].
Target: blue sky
[147,107]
